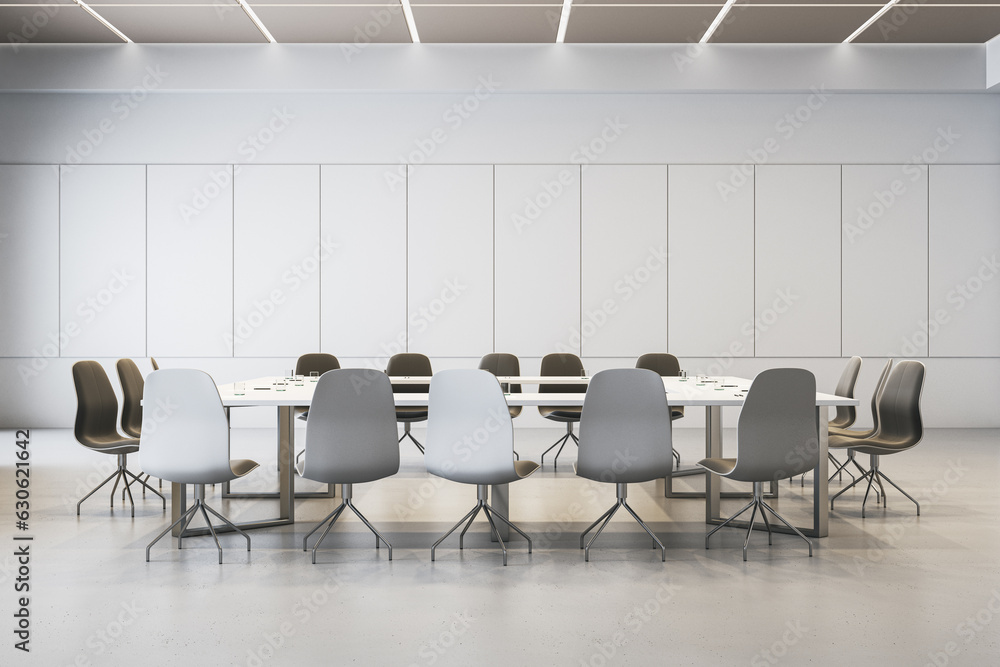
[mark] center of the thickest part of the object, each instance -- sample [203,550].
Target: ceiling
[499,21]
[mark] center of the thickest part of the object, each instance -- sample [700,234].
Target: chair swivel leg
[482,491]
[561,442]
[604,519]
[117,475]
[758,503]
[407,434]
[347,502]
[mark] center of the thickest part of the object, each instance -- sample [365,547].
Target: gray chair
[414,365]
[664,365]
[625,437]
[131,421]
[777,438]
[565,365]
[843,443]
[468,406]
[900,428]
[96,427]
[350,439]
[192,446]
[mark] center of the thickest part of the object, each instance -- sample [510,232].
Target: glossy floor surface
[890,589]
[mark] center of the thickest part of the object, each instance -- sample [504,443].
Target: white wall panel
[884,260]
[29,262]
[797,267]
[103,260]
[964,250]
[278,255]
[189,210]
[624,250]
[537,259]
[450,260]
[364,282]
[711,233]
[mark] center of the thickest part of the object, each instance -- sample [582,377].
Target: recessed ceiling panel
[624,25]
[792,24]
[491,24]
[52,23]
[220,23]
[922,23]
[315,24]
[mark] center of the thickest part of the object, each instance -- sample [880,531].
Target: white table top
[694,391]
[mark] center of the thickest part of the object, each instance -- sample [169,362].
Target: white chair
[777,439]
[625,437]
[470,439]
[350,439]
[190,445]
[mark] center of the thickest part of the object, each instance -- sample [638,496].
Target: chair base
[874,475]
[331,518]
[407,434]
[185,520]
[758,503]
[622,494]
[560,443]
[122,473]
[481,492]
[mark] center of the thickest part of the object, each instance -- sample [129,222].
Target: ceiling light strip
[107,24]
[564,21]
[867,23]
[257,22]
[411,25]
[717,22]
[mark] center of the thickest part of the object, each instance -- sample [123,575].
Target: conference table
[712,393]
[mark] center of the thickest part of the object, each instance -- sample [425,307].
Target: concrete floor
[890,589]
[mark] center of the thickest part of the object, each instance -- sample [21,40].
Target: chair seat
[524,468]
[411,414]
[110,446]
[718,466]
[560,414]
[877,446]
[242,466]
[676,413]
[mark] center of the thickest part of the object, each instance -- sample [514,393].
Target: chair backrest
[564,364]
[411,364]
[899,405]
[778,435]
[847,414]
[185,433]
[321,362]
[877,394]
[470,437]
[132,384]
[661,363]
[351,431]
[625,432]
[502,364]
[96,405]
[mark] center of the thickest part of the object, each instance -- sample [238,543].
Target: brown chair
[96,426]
[566,365]
[900,428]
[131,422]
[861,435]
[414,365]
[314,362]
